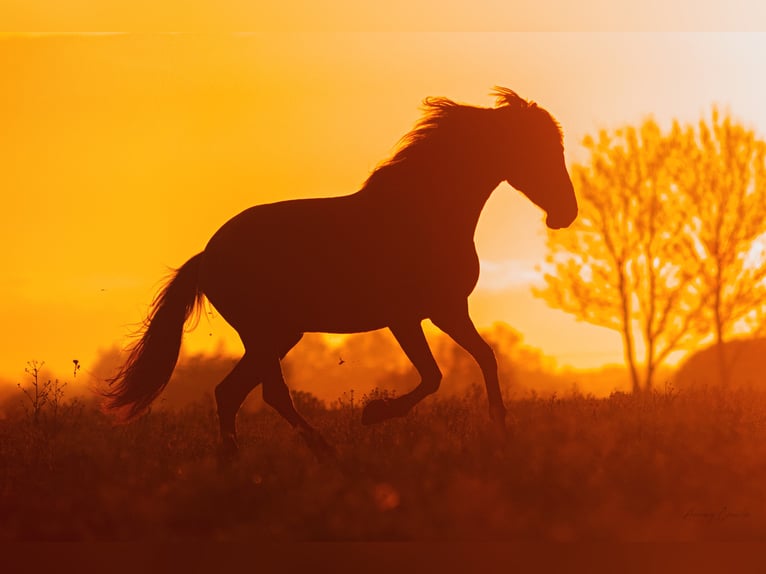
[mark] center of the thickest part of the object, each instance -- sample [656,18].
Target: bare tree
[654,206]
[726,196]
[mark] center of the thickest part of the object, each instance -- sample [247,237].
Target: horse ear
[507,97]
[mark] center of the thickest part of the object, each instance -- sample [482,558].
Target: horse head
[536,164]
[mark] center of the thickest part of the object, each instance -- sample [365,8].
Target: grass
[662,467]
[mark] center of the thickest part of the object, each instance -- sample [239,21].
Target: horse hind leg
[232,391]
[276,394]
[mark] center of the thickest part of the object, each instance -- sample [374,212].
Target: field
[668,466]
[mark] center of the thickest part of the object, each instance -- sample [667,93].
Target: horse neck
[459,201]
[453,200]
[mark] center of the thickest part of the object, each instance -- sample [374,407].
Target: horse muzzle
[560,221]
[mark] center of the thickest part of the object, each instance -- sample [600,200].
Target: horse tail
[153,357]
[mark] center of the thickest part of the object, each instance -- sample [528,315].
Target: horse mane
[509,98]
[443,122]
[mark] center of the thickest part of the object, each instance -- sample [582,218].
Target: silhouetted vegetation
[668,248]
[367,361]
[659,466]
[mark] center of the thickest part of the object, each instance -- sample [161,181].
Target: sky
[394,15]
[120,154]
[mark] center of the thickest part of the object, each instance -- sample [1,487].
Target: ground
[667,466]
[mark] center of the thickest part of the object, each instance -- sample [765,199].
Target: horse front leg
[411,338]
[457,323]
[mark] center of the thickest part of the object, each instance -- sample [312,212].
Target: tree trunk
[627,334]
[630,359]
[723,371]
[649,381]
[723,367]
[650,361]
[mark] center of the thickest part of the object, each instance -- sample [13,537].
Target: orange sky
[121,154]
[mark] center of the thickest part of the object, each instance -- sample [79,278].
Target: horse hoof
[377,410]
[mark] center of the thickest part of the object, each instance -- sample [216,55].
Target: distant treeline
[371,362]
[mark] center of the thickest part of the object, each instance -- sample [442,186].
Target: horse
[394,253]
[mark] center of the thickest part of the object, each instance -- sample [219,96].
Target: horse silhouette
[396,252]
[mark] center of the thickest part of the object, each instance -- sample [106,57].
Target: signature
[721,515]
